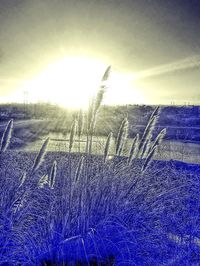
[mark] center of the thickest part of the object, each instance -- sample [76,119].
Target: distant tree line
[182,122]
[31,111]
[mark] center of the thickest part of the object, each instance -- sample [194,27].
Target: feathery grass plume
[149,128]
[106,74]
[80,126]
[149,159]
[72,135]
[96,102]
[90,114]
[5,140]
[52,176]
[99,99]
[22,179]
[134,149]
[159,138]
[155,112]
[151,123]
[122,136]
[79,169]
[18,204]
[145,149]
[40,157]
[147,135]
[94,108]
[102,89]
[80,123]
[43,181]
[107,146]
[90,125]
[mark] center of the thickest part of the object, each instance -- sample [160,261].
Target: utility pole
[25,104]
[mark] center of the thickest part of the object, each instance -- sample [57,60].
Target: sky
[156,43]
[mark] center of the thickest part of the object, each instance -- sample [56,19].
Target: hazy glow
[145,38]
[181,64]
[72,81]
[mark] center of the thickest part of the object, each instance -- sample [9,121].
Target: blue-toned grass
[84,209]
[157,223]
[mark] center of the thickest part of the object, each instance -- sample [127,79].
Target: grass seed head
[149,159]
[79,169]
[40,157]
[147,136]
[99,99]
[52,176]
[72,134]
[80,123]
[22,179]
[107,146]
[5,140]
[122,136]
[134,149]
[156,112]
[106,74]
[43,181]
[159,138]
[102,89]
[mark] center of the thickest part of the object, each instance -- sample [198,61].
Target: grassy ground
[156,223]
[176,150]
[28,135]
[98,208]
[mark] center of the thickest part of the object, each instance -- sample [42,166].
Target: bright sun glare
[72,81]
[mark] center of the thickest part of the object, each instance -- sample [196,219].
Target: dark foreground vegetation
[156,223]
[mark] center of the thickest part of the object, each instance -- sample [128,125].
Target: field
[157,223]
[28,135]
[83,195]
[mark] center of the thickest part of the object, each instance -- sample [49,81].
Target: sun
[69,82]
[72,81]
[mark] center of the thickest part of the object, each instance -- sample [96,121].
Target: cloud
[183,64]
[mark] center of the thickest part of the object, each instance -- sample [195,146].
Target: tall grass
[80,127]
[94,108]
[81,209]
[147,135]
[107,146]
[72,134]
[52,176]
[133,150]
[40,157]
[122,136]
[5,140]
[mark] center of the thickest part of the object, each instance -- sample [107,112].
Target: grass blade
[149,159]
[72,135]
[52,176]
[122,136]
[40,156]
[134,149]
[107,147]
[5,140]
[79,169]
